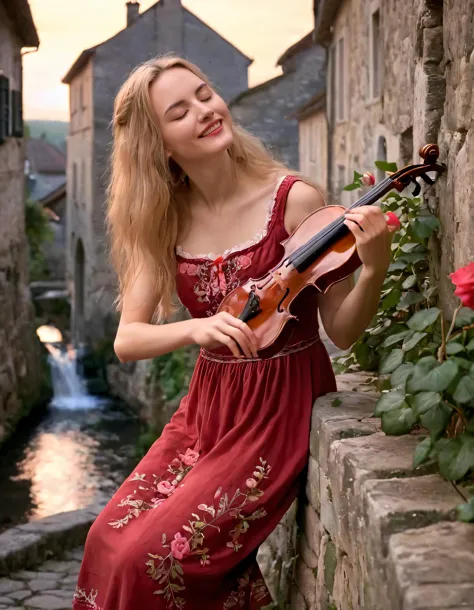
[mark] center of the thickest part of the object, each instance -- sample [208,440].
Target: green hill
[55,132]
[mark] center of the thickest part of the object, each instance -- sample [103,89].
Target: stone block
[346,582]
[352,407]
[356,460]
[312,528]
[433,49]
[312,484]
[306,553]
[306,582]
[18,549]
[298,602]
[394,505]
[436,562]
[49,602]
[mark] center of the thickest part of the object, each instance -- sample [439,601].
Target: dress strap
[281,199]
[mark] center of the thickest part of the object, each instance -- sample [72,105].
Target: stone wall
[264,109]
[20,362]
[456,133]
[373,532]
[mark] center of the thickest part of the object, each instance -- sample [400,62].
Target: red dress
[183,530]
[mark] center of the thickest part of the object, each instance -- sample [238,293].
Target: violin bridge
[282,274]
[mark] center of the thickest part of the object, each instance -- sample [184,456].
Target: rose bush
[425,363]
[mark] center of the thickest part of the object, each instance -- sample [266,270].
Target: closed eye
[178,118]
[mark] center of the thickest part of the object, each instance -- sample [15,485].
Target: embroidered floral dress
[183,530]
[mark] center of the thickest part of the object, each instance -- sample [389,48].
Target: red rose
[463,279]
[368,179]
[392,220]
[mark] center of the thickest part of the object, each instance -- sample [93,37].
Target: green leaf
[387,401]
[424,401]
[456,457]
[392,339]
[397,266]
[351,187]
[465,317]
[337,402]
[409,282]
[465,512]
[385,166]
[400,375]
[413,257]
[425,225]
[454,348]
[422,452]
[436,380]
[410,298]
[391,299]
[409,246]
[464,390]
[410,342]
[391,362]
[398,421]
[470,346]
[436,419]
[422,319]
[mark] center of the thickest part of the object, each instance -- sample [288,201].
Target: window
[340,80]
[381,156]
[341,177]
[4,108]
[83,182]
[375,63]
[74,182]
[17,114]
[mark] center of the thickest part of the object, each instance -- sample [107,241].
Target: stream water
[77,453]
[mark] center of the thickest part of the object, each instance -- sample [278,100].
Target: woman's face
[194,121]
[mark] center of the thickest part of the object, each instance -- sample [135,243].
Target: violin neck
[304,256]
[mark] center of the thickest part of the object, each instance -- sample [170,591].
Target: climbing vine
[425,362]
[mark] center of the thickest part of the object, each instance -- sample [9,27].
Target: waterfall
[69,389]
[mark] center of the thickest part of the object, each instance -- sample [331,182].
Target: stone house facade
[267,109]
[400,75]
[312,139]
[94,79]
[20,371]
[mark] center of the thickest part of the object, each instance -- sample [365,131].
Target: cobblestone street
[50,587]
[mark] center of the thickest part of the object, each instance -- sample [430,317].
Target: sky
[262,29]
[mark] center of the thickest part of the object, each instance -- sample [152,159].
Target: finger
[241,340]
[230,343]
[245,329]
[355,229]
[354,222]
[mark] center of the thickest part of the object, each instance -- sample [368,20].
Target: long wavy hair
[143,216]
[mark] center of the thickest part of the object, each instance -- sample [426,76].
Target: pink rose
[183,268]
[165,488]
[189,458]
[176,463]
[192,269]
[368,179]
[251,483]
[463,279]
[180,546]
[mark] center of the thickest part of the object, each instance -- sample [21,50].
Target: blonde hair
[143,218]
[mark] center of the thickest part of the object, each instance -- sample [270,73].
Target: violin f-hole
[279,309]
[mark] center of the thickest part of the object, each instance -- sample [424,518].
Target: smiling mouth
[212,128]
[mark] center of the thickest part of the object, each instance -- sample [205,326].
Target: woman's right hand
[224,329]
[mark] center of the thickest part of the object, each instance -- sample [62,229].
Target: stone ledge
[30,544]
[363,492]
[432,567]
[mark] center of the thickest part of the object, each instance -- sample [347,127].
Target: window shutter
[4,108]
[17,114]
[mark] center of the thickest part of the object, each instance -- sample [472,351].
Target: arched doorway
[79,273]
[381,156]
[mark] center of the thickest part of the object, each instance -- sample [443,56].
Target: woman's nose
[205,112]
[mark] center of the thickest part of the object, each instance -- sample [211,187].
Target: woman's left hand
[373,237]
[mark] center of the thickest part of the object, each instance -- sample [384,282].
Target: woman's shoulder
[303,199]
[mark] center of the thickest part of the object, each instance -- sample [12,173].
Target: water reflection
[71,459]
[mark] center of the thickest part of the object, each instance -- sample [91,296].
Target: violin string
[372,196]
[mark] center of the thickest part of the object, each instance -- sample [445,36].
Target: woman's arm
[138,339]
[346,310]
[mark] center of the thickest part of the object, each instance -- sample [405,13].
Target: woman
[197,205]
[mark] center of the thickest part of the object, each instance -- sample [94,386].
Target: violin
[320,252]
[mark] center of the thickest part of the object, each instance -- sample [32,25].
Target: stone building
[400,75]
[266,110]
[94,80]
[46,183]
[19,347]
